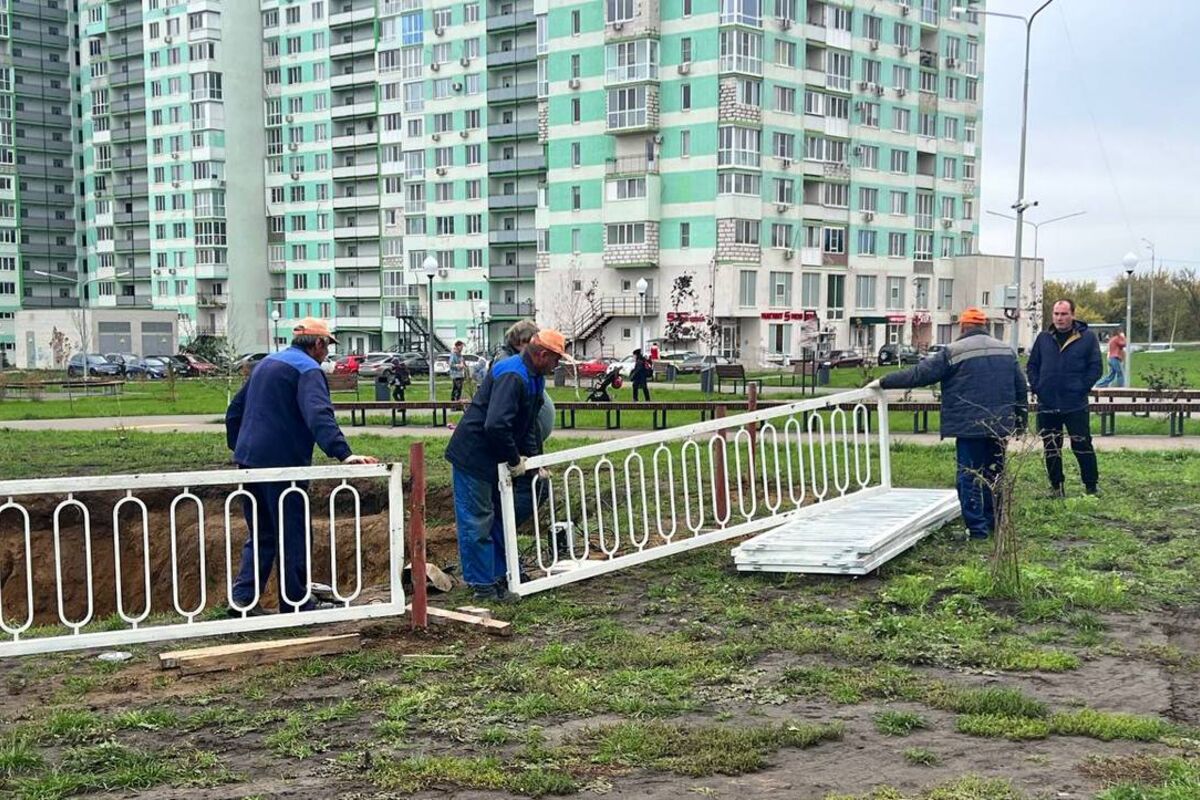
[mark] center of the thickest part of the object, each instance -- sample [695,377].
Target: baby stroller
[599,391]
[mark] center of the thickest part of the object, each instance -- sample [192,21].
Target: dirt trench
[74,560]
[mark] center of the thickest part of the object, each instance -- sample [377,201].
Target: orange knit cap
[972,316]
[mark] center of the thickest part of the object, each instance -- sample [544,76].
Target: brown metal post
[752,405]
[722,495]
[416,539]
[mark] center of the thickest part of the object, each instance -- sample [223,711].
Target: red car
[590,369]
[198,366]
[348,365]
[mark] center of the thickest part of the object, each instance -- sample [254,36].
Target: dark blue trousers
[980,462]
[294,577]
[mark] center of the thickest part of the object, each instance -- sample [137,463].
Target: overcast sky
[1113,78]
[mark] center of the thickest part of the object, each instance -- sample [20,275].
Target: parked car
[844,358]
[93,365]
[197,366]
[416,362]
[157,368]
[697,363]
[678,356]
[898,354]
[594,367]
[130,363]
[173,363]
[375,363]
[246,362]
[934,348]
[441,364]
[348,365]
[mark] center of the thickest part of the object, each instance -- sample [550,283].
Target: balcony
[528,163]
[37,301]
[207,300]
[511,310]
[359,77]
[212,272]
[366,108]
[133,301]
[357,232]
[344,18]
[518,200]
[512,94]
[630,165]
[523,128]
[356,201]
[125,19]
[511,272]
[352,48]
[133,105]
[134,133]
[506,58]
[38,10]
[516,236]
[126,77]
[122,163]
[138,189]
[356,262]
[132,218]
[357,292]
[356,171]
[519,19]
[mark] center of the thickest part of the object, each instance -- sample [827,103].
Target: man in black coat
[1063,367]
[984,401]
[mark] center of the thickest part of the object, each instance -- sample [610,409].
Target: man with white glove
[495,430]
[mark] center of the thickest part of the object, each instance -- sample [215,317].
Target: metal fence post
[416,539]
[721,500]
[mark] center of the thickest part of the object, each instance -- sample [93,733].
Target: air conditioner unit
[617,26]
[221,184]
[457,86]
[879,90]
[858,150]
[175,184]
[295,176]
[951,62]
[293,147]
[464,61]
[167,39]
[439,31]
[290,118]
[781,207]
[947,222]
[867,216]
[462,134]
[873,44]
[859,105]
[904,11]
[903,50]
[658,138]
[440,170]
[435,66]
[98,193]
[901,91]
[573,83]
[443,272]
[175,156]
[863,86]
[784,163]
[785,24]
[684,68]
[437,137]
[789,254]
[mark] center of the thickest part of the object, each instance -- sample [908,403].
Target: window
[628,61]
[869,157]
[951,92]
[927,125]
[783,145]
[743,183]
[902,34]
[868,199]
[837,70]
[741,12]
[785,191]
[685,234]
[575,113]
[626,107]
[897,245]
[785,53]
[864,291]
[576,198]
[836,195]
[900,203]
[474,223]
[872,71]
[781,289]
[685,50]
[835,296]
[869,115]
[626,233]
[575,23]
[444,226]
[895,295]
[922,246]
[901,120]
[626,188]
[947,247]
[739,147]
[685,96]
[745,231]
[747,284]
[818,148]
[900,162]
[685,144]
[810,289]
[866,242]
[950,129]
[618,10]
[574,240]
[781,236]
[834,240]
[872,27]
[921,293]
[945,300]
[785,100]
[741,51]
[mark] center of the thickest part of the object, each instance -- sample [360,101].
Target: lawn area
[926,681]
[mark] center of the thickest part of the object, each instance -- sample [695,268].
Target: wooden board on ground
[250,654]
[495,627]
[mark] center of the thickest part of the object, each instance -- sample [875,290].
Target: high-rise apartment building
[773,172]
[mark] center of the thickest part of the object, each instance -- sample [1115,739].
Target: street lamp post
[1130,261]
[1037,226]
[642,286]
[85,333]
[430,265]
[1153,280]
[1021,205]
[483,321]
[275,330]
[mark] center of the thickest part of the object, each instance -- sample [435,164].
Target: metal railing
[63,601]
[603,507]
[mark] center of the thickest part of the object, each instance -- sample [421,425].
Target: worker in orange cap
[985,400]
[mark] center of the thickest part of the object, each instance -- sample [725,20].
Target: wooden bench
[735,374]
[439,410]
[343,382]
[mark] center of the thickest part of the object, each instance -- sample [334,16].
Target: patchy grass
[1109,726]
[1141,777]
[18,756]
[111,766]
[991,701]
[968,788]
[423,772]
[922,756]
[899,723]
[997,726]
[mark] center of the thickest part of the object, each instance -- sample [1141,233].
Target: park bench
[347,382]
[735,374]
[439,410]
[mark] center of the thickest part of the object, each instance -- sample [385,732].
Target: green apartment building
[777,173]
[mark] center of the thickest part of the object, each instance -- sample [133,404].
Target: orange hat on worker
[311,326]
[553,341]
[972,316]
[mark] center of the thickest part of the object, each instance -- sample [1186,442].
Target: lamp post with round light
[1130,262]
[275,330]
[642,286]
[430,265]
[483,321]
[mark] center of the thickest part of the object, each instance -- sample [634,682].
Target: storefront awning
[859,321]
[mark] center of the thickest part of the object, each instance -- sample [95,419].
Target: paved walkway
[206,423]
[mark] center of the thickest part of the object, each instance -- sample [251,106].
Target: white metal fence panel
[607,506]
[49,595]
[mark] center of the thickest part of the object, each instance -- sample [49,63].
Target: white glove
[360,460]
[874,385]
[519,469]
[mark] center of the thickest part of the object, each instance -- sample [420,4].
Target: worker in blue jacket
[496,429]
[984,401]
[273,421]
[1064,365]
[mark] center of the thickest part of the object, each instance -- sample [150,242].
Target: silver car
[375,363]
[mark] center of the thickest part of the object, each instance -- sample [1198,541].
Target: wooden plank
[250,654]
[494,627]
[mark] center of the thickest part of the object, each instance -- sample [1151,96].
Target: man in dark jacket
[494,430]
[639,376]
[1063,367]
[985,400]
[273,421]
